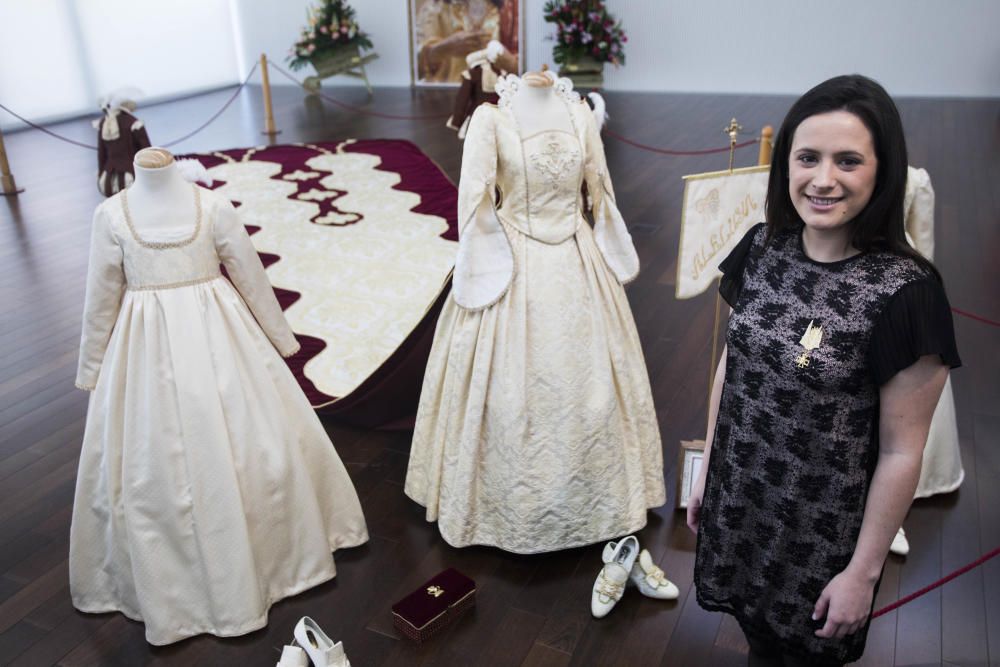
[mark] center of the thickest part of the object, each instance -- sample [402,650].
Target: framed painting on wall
[444,32]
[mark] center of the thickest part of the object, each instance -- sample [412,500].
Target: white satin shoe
[293,656]
[323,652]
[647,576]
[900,546]
[611,580]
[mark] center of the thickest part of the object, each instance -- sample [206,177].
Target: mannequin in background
[536,429]
[119,136]
[207,488]
[479,84]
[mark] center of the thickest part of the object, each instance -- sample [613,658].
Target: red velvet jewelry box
[435,605]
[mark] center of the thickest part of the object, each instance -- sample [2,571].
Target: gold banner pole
[689,448]
[269,128]
[766,145]
[7,184]
[763,158]
[733,130]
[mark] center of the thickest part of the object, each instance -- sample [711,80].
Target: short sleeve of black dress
[734,265]
[915,322]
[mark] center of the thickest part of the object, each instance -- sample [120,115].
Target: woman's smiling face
[831,169]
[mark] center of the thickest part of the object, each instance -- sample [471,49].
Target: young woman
[839,343]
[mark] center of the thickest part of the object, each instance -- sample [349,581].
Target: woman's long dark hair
[880,224]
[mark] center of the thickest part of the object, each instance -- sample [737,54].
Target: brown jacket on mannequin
[120,135]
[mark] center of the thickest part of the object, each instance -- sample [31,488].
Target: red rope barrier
[368,112]
[47,130]
[667,151]
[169,143]
[973,316]
[606,131]
[217,113]
[940,582]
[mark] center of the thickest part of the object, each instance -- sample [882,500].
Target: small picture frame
[689,462]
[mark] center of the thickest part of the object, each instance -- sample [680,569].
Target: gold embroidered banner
[718,209]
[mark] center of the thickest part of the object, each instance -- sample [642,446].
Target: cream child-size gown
[536,429]
[208,488]
[942,470]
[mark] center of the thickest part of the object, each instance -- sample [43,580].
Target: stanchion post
[269,128]
[733,130]
[7,185]
[766,145]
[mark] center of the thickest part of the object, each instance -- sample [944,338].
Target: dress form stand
[160,199]
[537,107]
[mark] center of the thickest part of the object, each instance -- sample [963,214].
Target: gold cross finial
[733,130]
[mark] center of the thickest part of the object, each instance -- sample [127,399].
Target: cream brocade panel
[364,286]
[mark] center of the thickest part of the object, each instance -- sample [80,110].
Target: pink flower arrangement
[584,27]
[331,26]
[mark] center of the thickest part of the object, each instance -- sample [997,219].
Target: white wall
[58,56]
[914,47]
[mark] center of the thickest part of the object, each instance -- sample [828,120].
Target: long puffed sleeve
[918,209]
[105,288]
[484,267]
[610,232]
[246,272]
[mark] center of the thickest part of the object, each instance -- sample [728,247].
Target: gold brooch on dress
[810,341]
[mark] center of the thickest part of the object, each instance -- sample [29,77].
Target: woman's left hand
[845,602]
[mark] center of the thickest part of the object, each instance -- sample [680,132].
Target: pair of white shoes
[625,564]
[900,546]
[312,645]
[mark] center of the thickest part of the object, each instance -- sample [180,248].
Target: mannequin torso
[160,201]
[539,108]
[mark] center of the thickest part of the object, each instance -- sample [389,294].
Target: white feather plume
[124,97]
[600,109]
[494,49]
[193,171]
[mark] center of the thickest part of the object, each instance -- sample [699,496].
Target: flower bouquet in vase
[332,42]
[587,36]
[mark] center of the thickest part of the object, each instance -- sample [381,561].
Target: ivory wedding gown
[208,488]
[536,429]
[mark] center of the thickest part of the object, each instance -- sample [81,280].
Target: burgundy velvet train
[388,397]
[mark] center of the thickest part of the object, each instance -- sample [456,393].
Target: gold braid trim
[185,283]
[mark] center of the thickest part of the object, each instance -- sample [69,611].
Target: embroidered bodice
[539,178]
[128,264]
[154,260]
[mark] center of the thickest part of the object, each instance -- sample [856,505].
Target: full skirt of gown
[196,509]
[536,429]
[941,471]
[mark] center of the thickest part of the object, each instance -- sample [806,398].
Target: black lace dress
[797,436]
